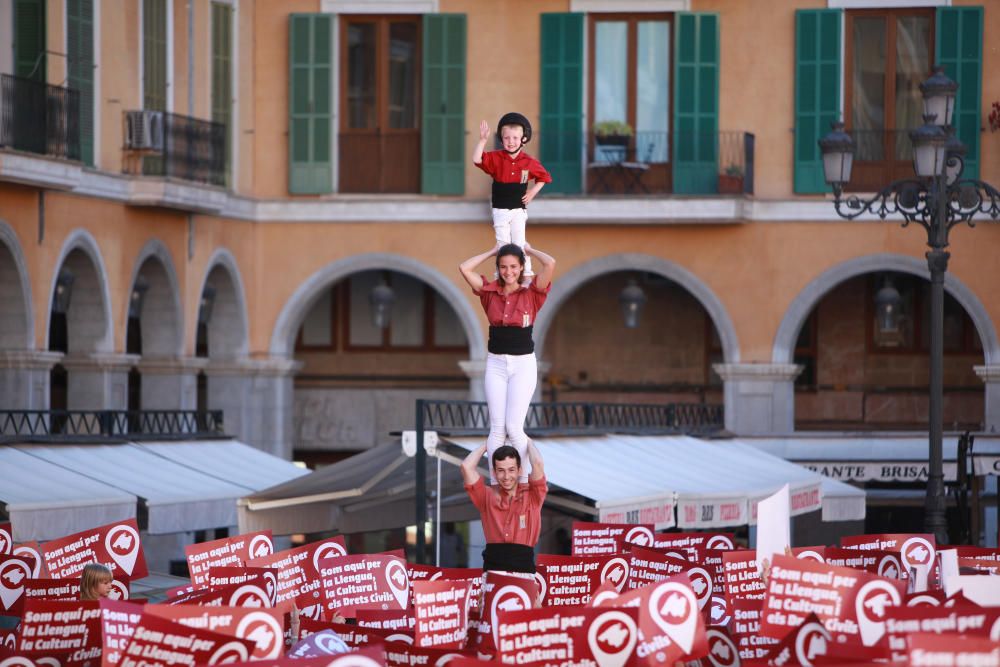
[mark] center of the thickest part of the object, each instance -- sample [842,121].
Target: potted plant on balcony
[731,182]
[612,133]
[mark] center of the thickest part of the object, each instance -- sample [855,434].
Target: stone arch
[800,307]
[89,318]
[563,286]
[161,316]
[228,328]
[17,319]
[296,307]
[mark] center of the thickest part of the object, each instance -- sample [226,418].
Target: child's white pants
[510,384]
[509,226]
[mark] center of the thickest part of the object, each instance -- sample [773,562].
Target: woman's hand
[484,131]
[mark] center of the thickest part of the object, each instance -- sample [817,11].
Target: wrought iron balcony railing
[35,425]
[161,143]
[39,118]
[472,418]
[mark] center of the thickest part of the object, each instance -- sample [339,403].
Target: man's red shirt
[519,169]
[516,520]
[517,309]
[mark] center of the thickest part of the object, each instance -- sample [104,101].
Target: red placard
[157,642]
[72,628]
[886,564]
[221,577]
[352,635]
[803,645]
[441,610]
[981,553]
[6,539]
[116,545]
[372,581]
[15,572]
[226,552]
[571,580]
[324,642]
[952,649]
[583,635]
[32,550]
[745,629]
[264,627]
[52,589]
[118,622]
[742,575]
[691,542]
[502,592]
[597,539]
[251,593]
[670,625]
[900,622]
[851,604]
[298,568]
[368,657]
[399,654]
[647,567]
[914,549]
[386,619]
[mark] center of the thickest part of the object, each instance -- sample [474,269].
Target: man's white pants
[509,226]
[510,383]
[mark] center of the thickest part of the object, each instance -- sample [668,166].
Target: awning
[615,478]
[877,457]
[711,483]
[183,486]
[46,501]
[372,490]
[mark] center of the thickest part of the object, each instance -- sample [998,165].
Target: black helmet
[514,118]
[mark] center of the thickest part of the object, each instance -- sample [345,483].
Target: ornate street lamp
[63,292]
[137,297]
[632,299]
[381,299]
[937,200]
[887,303]
[206,305]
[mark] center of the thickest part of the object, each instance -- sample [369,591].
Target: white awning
[46,501]
[877,457]
[192,487]
[711,483]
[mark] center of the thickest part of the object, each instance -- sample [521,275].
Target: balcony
[100,425]
[643,164]
[182,160]
[38,119]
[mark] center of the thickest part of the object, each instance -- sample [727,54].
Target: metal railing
[39,118]
[472,418]
[62,424]
[192,150]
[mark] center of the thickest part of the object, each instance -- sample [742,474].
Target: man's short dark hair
[506,452]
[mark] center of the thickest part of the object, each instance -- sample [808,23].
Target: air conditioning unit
[144,130]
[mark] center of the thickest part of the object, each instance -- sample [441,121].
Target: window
[630,65]
[421,319]
[222,74]
[380,83]
[888,54]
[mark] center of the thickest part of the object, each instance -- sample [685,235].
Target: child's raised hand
[484,131]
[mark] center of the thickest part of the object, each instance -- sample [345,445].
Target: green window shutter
[154,55]
[959,45]
[29,39]
[817,92]
[560,131]
[442,133]
[222,72]
[80,63]
[310,59]
[696,103]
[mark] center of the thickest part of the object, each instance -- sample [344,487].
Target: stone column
[170,383]
[259,394]
[98,381]
[475,370]
[990,375]
[24,379]
[759,397]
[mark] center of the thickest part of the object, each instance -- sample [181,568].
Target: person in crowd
[95,581]
[511,368]
[511,511]
[511,169]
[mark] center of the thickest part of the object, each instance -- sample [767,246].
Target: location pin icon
[612,637]
[13,574]
[122,544]
[673,607]
[399,582]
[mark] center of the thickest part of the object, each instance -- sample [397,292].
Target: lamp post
[632,299]
[937,199]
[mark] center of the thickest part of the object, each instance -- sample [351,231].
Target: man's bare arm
[535,457]
[469,472]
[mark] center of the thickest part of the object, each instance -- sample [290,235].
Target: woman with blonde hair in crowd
[95,581]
